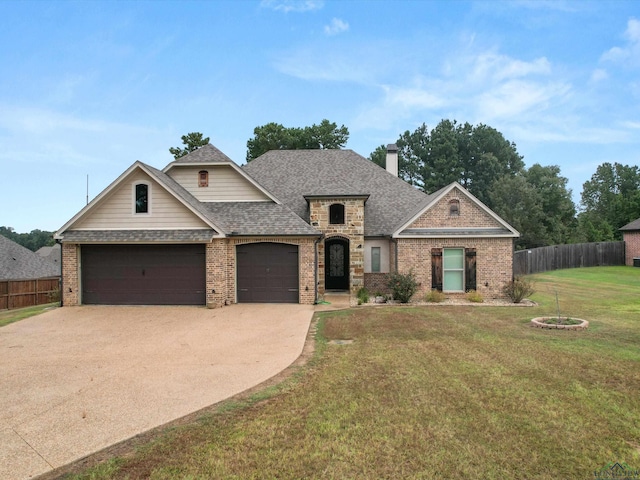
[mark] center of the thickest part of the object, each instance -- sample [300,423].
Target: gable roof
[635,225]
[503,230]
[20,263]
[293,174]
[168,183]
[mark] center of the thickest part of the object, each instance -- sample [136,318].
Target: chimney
[392,159]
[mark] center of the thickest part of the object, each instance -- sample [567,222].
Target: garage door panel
[143,274]
[267,273]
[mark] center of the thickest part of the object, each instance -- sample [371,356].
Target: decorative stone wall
[631,246]
[352,230]
[494,261]
[70,279]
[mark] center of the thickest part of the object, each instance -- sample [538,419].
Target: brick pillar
[216,271]
[70,275]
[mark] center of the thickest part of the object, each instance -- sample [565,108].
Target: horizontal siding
[116,210]
[225,184]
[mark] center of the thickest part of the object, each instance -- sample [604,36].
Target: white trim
[434,201]
[445,270]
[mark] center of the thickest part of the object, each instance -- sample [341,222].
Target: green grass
[10,316]
[436,392]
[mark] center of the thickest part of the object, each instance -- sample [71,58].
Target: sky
[87,88]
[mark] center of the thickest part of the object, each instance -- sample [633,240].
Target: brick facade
[70,275]
[631,246]
[494,261]
[351,230]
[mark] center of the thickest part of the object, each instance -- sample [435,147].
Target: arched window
[454,208]
[142,198]
[336,214]
[203,178]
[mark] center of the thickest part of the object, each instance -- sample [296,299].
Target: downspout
[61,275]
[395,250]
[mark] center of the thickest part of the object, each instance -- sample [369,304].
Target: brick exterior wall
[494,261]
[376,282]
[471,215]
[70,275]
[352,230]
[631,246]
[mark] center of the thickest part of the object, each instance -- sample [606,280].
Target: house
[20,263]
[286,227]
[631,237]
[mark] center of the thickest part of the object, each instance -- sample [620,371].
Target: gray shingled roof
[142,236]
[467,232]
[205,154]
[20,263]
[292,174]
[258,218]
[635,225]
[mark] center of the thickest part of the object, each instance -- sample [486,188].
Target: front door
[336,264]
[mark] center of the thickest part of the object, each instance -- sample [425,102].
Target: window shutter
[470,269]
[436,269]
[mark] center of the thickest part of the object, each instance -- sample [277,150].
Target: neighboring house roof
[52,255]
[635,225]
[20,263]
[293,174]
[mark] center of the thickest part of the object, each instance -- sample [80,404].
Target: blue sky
[89,87]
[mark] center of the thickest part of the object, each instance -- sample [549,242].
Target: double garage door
[176,274]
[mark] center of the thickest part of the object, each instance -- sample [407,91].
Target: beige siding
[225,184]
[471,215]
[116,211]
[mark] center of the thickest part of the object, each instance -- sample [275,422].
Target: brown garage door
[267,273]
[143,274]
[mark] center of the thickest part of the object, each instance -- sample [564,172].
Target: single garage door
[143,274]
[267,273]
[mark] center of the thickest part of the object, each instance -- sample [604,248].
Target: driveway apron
[75,380]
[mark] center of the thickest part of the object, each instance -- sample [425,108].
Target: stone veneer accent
[471,215]
[352,229]
[631,246]
[70,275]
[494,261]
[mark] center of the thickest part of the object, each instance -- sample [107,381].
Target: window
[453,270]
[142,198]
[336,214]
[454,208]
[203,178]
[375,259]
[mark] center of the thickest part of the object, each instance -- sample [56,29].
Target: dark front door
[336,264]
[143,274]
[267,273]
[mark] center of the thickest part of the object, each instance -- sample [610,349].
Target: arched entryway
[336,264]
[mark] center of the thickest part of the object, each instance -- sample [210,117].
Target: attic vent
[454,208]
[203,178]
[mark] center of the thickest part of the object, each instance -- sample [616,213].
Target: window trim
[135,198]
[445,270]
[337,207]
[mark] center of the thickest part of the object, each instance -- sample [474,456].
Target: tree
[473,156]
[609,200]
[379,156]
[33,240]
[274,136]
[192,141]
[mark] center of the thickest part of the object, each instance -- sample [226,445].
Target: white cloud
[336,27]
[599,75]
[287,6]
[518,98]
[630,52]
[502,67]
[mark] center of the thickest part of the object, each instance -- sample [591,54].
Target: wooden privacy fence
[556,257]
[28,293]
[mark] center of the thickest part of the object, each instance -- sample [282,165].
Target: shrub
[518,289]
[363,296]
[435,296]
[474,296]
[402,286]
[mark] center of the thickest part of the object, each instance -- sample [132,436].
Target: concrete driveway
[75,380]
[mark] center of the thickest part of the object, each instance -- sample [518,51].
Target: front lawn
[436,392]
